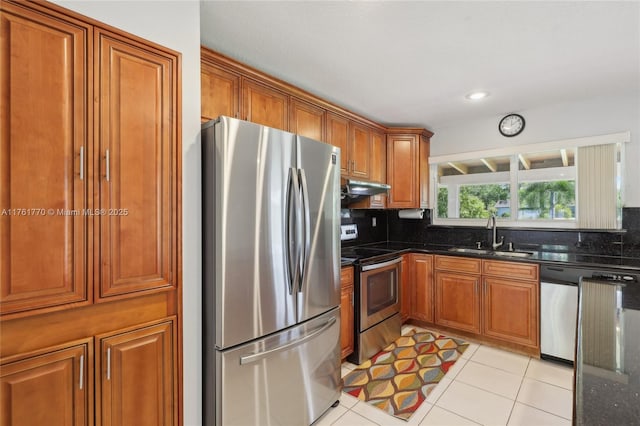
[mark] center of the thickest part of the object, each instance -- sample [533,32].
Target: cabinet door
[220,92]
[44,151]
[338,135]
[458,301]
[406,286]
[360,151]
[138,167]
[263,105]
[307,120]
[346,321]
[50,389]
[402,171]
[423,282]
[511,310]
[378,167]
[137,382]
[423,166]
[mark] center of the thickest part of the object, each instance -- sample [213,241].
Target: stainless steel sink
[513,253]
[470,250]
[491,252]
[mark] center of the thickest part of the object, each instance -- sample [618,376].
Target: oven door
[379,295]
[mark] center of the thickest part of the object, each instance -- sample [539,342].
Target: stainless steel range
[377,319]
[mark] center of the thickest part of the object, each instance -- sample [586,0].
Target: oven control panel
[348,232]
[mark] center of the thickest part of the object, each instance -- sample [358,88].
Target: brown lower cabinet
[135,380]
[346,311]
[458,301]
[492,300]
[50,387]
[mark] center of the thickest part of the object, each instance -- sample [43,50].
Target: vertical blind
[597,192]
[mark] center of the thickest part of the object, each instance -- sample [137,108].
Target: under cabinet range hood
[354,190]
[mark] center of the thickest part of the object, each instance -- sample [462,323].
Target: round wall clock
[511,125]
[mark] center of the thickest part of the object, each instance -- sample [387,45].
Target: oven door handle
[381,265]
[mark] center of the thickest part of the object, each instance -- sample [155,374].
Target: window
[529,186]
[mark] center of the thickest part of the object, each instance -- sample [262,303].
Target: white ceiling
[411,63]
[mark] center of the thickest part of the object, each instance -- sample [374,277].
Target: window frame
[514,178]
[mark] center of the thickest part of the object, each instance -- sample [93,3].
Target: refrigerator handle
[248,359]
[306,225]
[291,230]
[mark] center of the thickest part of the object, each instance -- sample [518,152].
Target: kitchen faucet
[491,224]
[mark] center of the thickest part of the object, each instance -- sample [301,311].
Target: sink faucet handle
[510,246]
[478,244]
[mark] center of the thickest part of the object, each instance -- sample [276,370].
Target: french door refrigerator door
[254,295]
[289,378]
[319,175]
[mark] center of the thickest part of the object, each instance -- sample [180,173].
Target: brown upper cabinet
[368,151]
[359,151]
[408,167]
[45,148]
[338,135]
[263,105]
[307,119]
[91,191]
[137,88]
[220,92]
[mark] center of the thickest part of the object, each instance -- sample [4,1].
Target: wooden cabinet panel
[511,311]
[408,168]
[220,92]
[402,173]
[423,173]
[338,135]
[138,380]
[458,301]
[48,389]
[516,270]
[138,227]
[43,133]
[347,332]
[378,167]
[406,286]
[264,105]
[459,264]
[360,151]
[346,322]
[307,120]
[423,282]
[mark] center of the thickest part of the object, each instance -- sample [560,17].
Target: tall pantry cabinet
[90,266]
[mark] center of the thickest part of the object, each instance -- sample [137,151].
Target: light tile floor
[486,386]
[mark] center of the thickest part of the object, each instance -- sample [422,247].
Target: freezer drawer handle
[248,359]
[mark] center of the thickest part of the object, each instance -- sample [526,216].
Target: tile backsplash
[389,227]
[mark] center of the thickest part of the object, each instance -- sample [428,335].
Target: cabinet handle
[82,163]
[108,363]
[354,165]
[81,370]
[107,164]
[352,299]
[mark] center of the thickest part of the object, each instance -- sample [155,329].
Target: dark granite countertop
[631,264]
[608,355]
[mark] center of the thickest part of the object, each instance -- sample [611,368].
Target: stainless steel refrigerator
[271,286]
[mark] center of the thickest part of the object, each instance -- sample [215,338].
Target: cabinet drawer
[459,264]
[346,276]
[523,271]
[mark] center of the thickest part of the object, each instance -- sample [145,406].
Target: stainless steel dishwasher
[558,312]
[559,308]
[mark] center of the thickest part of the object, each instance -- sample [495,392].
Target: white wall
[176,25]
[592,117]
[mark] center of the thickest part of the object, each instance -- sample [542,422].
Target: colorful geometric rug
[401,376]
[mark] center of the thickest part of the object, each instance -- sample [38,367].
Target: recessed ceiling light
[476,96]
